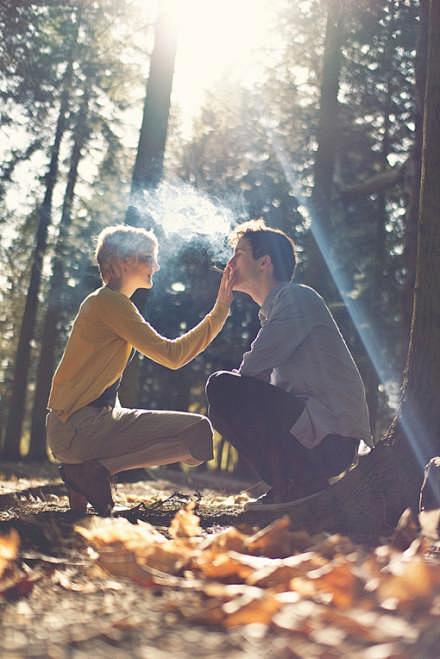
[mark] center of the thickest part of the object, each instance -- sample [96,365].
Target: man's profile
[296,407]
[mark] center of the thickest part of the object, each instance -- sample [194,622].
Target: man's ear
[266,261]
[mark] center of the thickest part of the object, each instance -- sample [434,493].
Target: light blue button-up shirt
[300,349]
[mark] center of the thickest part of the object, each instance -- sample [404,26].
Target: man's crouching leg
[256,418]
[237,409]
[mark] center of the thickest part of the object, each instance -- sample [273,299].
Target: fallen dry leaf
[338,581]
[9,546]
[185,523]
[331,545]
[15,582]
[280,572]
[100,532]
[276,540]
[412,583]
[229,539]
[298,616]
[170,557]
[406,531]
[250,609]
[18,584]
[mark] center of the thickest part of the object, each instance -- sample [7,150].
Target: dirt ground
[58,603]
[68,615]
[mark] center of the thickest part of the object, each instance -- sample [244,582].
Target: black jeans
[256,418]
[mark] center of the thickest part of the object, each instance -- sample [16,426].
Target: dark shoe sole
[256,506]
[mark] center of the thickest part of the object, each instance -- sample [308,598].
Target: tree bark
[46,364]
[372,380]
[148,168]
[413,171]
[420,411]
[317,271]
[17,400]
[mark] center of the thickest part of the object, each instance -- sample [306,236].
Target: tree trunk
[148,167]
[420,411]
[46,364]
[370,499]
[17,400]
[372,380]
[319,244]
[413,171]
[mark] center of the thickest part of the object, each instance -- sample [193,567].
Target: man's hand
[224,295]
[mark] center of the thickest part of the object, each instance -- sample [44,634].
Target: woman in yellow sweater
[87,429]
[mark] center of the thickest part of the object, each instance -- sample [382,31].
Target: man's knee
[220,386]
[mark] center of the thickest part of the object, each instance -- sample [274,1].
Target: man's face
[244,266]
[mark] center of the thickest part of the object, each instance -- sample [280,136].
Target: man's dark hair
[267,241]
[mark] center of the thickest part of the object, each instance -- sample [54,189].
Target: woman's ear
[127,263]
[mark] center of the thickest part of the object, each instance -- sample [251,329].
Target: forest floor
[177,571]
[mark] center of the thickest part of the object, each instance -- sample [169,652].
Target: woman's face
[145,267]
[139,270]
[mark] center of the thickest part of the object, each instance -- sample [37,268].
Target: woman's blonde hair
[120,242]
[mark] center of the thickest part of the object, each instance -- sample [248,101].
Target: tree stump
[367,502]
[430,490]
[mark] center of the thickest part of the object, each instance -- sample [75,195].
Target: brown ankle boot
[92,480]
[77,502]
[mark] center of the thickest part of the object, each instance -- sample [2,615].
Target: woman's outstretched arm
[122,317]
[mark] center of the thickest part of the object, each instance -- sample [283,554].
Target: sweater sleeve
[125,320]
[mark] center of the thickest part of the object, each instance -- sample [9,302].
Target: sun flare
[218,39]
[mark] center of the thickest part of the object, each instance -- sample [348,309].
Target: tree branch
[377,183]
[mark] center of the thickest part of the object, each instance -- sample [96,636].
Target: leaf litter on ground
[324,590]
[323,587]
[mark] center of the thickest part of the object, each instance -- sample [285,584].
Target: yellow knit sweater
[107,327]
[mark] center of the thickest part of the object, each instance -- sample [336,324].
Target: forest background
[307,114]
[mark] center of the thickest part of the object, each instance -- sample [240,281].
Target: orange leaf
[9,546]
[229,539]
[221,565]
[250,609]
[413,583]
[185,524]
[277,540]
[282,571]
[338,581]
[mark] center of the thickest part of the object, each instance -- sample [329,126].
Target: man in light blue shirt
[296,407]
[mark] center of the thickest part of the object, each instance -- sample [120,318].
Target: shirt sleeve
[126,321]
[287,326]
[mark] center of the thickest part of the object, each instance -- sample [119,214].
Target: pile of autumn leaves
[281,576]
[323,587]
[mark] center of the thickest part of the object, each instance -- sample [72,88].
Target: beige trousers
[121,438]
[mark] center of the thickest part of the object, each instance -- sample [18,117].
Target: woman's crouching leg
[160,438]
[200,446]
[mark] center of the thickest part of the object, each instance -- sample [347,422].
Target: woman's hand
[224,295]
